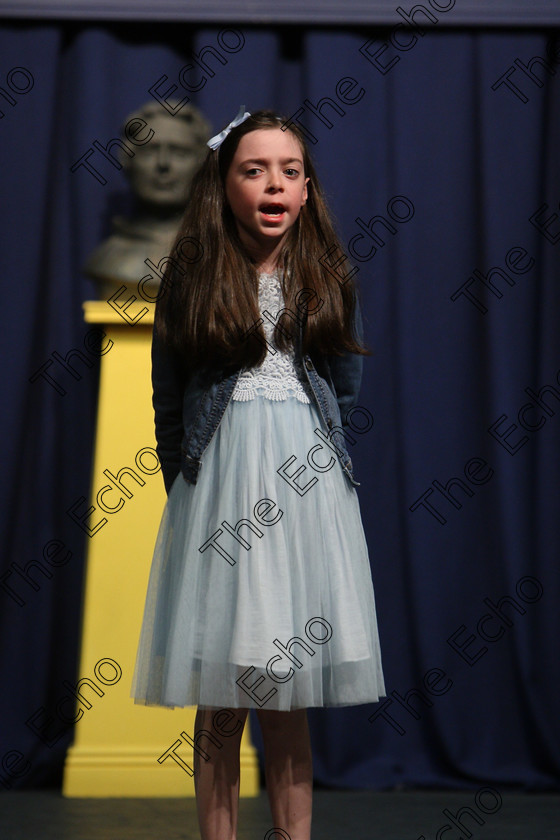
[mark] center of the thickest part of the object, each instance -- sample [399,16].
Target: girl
[260,593]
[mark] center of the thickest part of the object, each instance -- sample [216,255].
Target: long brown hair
[208,311]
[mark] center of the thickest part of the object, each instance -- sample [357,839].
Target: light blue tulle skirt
[260,592]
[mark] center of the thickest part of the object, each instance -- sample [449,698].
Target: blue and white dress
[260,595]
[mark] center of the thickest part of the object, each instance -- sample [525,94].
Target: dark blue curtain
[439,154]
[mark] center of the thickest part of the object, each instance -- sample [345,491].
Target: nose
[274,181]
[163,157]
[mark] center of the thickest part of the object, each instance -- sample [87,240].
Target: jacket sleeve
[168,384]
[346,372]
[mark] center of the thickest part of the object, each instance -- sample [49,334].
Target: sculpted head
[161,170]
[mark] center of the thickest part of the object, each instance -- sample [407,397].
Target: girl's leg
[288,770]
[216,780]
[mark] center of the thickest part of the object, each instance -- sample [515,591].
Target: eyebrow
[263,161]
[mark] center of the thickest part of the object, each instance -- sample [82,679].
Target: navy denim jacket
[188,409]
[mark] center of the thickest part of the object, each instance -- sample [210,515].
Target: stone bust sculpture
[160,174]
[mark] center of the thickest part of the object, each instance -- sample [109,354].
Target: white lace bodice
[280,376]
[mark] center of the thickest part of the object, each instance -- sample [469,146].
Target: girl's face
[266,187]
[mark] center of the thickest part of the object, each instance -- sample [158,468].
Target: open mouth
[272,210]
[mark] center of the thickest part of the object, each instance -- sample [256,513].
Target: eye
[292,173]
[253,171]
[180,151]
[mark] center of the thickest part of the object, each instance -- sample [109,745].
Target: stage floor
[337,815]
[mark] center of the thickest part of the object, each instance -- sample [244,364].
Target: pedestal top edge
[138,313]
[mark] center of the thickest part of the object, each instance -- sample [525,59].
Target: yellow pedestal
[118,743]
